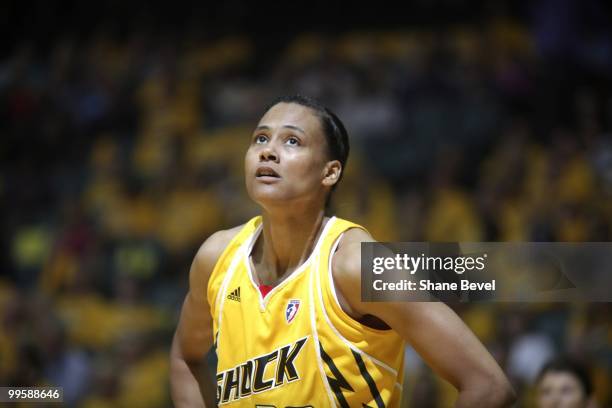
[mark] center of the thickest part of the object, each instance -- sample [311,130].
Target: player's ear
[332,172]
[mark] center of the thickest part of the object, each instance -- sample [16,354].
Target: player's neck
[286,242]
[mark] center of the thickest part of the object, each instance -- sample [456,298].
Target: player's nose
[268,153]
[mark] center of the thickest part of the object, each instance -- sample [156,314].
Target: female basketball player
[279,296]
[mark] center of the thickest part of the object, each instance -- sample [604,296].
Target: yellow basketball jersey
[296,347]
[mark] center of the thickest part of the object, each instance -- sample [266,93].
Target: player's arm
[439,336]
[190,385]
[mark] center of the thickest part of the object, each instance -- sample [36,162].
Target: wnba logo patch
[292,308]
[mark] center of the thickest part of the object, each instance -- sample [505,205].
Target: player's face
[287,157]
[560,390]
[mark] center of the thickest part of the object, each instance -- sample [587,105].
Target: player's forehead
[292,115]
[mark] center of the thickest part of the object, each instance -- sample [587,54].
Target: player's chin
[263,193]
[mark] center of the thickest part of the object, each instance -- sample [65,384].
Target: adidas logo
[235,295]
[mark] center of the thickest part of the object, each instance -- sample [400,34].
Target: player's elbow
[493,391]
[502,395]
[496,392]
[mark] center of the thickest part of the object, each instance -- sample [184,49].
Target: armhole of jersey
[335,302]
[335,311]
[215,281]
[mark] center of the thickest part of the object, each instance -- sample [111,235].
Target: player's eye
[293,141]
[259,139]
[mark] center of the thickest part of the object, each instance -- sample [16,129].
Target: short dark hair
[568,365]
[335,133]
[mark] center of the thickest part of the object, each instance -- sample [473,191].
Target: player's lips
[266,174]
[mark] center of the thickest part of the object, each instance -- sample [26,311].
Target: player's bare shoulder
[346,269]
[207,256]
[347,259]
[213,247]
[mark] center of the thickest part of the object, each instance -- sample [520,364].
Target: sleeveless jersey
[296,347]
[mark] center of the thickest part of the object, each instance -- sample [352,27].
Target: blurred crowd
[119,156]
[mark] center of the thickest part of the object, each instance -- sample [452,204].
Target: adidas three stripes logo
[235,294]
